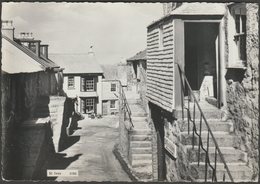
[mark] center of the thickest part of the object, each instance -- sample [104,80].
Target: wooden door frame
[220,65]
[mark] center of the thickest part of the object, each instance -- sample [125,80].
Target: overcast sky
[117,30]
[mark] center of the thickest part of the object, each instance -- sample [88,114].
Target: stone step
[138,114]
[146,150]
[143,172]
[214,124]
[142,144]
[141,138]
[140,125]
[223,139]
[139,119]
[239,171]
[141,163]
[208,113]
[144,131]
[133,101]
[141,157]
[230,154]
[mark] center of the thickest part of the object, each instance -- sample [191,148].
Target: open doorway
[201,58]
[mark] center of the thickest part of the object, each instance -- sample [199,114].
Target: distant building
[110,94]
[82,79]
[136,69]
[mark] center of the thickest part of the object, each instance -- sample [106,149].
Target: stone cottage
[82,80]
[202,93]
[27,76]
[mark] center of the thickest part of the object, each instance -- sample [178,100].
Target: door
[201,58]
[105,107]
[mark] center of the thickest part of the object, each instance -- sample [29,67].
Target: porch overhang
[195,11]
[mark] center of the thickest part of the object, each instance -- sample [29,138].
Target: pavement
[91,152]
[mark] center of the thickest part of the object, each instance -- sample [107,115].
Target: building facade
[110,103]
[215,47]
[82,80]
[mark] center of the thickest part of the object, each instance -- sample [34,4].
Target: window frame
[88,84]
[73,82]
[113,87]
[240,19]
[113,105]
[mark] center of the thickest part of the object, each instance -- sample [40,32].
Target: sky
[117,31]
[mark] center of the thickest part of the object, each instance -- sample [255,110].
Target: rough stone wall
[124,126]
[142,89]
[243,94]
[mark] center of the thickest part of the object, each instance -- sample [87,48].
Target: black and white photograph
[130,91]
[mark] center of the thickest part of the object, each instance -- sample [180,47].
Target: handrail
[202,117]
[125,104]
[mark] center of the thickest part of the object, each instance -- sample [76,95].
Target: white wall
[72,93]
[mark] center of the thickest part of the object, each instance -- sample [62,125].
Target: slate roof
[196,9]
[200,9]
[17,58]
[77,63]
[139,56]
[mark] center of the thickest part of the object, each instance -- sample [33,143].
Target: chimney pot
[8,29]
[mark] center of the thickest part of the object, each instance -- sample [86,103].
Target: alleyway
[92,154]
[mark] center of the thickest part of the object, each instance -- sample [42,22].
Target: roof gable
[77,63]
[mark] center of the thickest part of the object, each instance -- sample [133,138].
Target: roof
[196,9]
[15,60]
[139,56]
[200,9]
[23,52]
[77,63]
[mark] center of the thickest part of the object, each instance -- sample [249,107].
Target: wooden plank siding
[160,66]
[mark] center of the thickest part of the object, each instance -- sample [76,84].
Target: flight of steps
[52,107]
[140,139]
[223,131]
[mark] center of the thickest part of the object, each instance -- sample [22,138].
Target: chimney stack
[91,52]
[26,35]
[44,50]
[8,29]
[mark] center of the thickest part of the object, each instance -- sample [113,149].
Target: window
[113,87]
[88,84]
[87,105]
[112,104]
[239,14]
[71,82]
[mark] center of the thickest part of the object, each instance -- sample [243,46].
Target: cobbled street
[92,154]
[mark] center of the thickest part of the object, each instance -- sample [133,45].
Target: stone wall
[18,102]
[243,92]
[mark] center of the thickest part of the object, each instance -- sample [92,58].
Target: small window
[71,82]
[112,104]
[113,87]
[239,14]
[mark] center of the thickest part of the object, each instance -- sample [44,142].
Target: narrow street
[92,154]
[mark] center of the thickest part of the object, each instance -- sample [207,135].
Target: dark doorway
[201,53]
[156,115]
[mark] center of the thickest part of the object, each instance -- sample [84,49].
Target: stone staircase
[52,107]
[223,131]
[140,139]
